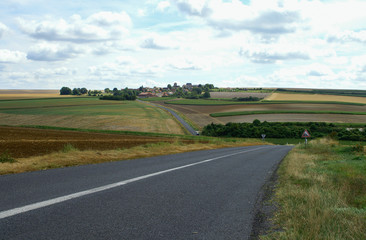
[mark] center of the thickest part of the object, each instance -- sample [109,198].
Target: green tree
[65,91]
[83,90]
[207,94]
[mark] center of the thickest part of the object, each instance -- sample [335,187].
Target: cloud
[273,53]
[3,29]
[163,5]
[194,7]
[7,56]
[267,18]
[52,52]
[102,26]
[158,42]
[348,36]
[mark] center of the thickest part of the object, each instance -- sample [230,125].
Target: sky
[48,44]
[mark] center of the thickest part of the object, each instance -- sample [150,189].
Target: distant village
[171,90]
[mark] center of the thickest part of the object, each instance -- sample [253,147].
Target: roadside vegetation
[321,193]
[286,130]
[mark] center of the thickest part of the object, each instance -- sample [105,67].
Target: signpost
[263,136]
[305,135]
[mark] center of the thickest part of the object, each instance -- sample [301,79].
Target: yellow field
[314,97]
[25,94]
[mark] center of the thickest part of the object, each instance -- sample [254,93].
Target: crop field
[231,95]
[200,114]
[27,142]
[26,94]
[88,113]
[315,97]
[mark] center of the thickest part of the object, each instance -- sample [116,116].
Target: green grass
[207,102]
[6,158]
[321,193]
[215,101]
[229,114]
[152,99]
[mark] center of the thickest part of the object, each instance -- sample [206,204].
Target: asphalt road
[197,195]
[181,120]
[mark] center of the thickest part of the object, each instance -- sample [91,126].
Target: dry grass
[27,94]
[313,205]
[231,95]
[314,97]
[74,157]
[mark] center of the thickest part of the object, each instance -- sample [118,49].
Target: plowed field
[26,142]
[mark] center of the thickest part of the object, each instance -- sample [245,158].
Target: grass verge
[321,193]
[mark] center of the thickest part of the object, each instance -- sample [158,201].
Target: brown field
[27,142]
[25,94]
[335,118]
[231,95]
[200,114]
[315,97]
[37,149]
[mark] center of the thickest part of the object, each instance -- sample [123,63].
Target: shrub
[6,158]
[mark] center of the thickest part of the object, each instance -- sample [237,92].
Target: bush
[6,158]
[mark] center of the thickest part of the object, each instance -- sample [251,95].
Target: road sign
[306,134]
[263,136]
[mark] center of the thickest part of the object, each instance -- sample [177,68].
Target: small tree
[76,91]
[65,91]
[83,90]
[207,94]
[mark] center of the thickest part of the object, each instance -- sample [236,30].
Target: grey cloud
[188,9]
[348,36]
[315,73]
[268,56]
[99,27]
[150,43]
[47,53]
[267,23]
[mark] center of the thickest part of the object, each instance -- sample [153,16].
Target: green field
[89,112]
[229,114]
[212,102]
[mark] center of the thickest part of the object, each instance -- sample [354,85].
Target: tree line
[120,95]
[284,130]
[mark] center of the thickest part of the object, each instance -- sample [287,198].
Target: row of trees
[75,91]
[283,130]
[120,95]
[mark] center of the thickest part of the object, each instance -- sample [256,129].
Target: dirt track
[26,142]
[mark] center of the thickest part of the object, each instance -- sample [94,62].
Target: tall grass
[321,193]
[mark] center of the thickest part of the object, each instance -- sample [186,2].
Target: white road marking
[34,206]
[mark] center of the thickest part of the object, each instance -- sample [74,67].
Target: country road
[197,195]
[181,120]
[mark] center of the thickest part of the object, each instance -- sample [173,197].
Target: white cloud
[3,29]
[158,42]
[269,17]
[273,53]
[8,56]
[102,26]
[52,52]
[162,6]
[348,36]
